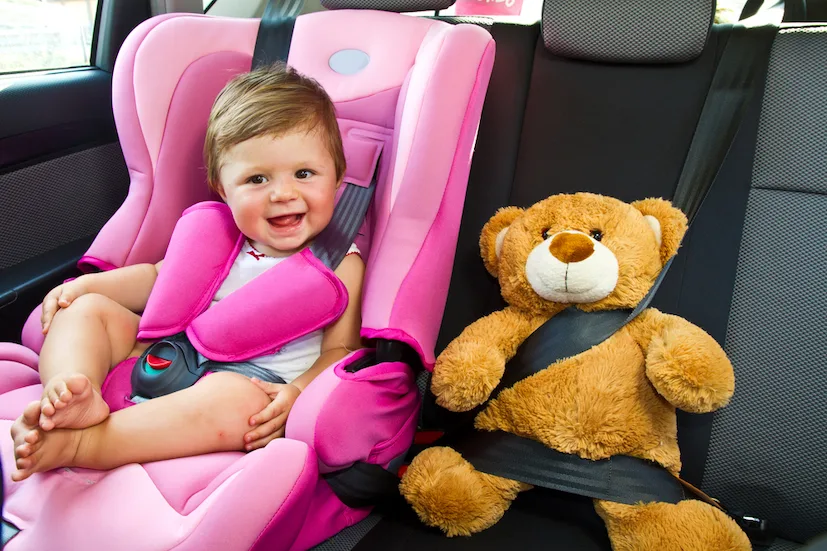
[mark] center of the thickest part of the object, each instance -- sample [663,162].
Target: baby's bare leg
[84,342]
[210,416]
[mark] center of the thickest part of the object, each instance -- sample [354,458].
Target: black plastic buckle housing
[756,529]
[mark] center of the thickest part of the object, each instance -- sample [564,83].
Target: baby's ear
[668,223]
[493,234]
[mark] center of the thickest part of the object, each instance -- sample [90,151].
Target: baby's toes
[31,413]
[46,423]
[32,437]
[23,450]
[47,409]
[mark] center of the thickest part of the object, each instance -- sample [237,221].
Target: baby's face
[281,190]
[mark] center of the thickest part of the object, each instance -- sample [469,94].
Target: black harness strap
[275,32]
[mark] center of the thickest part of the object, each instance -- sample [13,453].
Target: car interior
[598,110]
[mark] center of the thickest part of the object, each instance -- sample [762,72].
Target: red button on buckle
[157,363]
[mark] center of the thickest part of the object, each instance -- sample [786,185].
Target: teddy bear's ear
[668,223]
[493,233]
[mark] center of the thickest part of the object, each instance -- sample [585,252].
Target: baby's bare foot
[71,402]
[35,450]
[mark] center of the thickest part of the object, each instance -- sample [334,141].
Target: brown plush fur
[618,398]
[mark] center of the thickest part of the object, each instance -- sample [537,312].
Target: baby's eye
[304,173]
[257,179]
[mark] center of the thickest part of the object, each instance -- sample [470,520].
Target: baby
[274,154]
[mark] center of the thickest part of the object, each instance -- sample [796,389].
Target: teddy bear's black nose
[571,247]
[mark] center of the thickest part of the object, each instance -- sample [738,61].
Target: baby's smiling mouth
[286,220]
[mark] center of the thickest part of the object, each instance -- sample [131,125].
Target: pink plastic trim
[399,335]
[87,263]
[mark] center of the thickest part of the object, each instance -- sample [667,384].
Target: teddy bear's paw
[465,375]
[448,493]
[690,524]
[690,375]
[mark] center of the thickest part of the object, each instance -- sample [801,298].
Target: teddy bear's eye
[545,233]
[597,235]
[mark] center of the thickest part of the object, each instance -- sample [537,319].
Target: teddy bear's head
[594,251]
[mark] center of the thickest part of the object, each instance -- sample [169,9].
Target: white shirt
[295,357]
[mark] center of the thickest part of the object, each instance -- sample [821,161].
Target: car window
[49,34]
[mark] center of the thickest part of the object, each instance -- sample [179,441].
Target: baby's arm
[340,339]
[128,286]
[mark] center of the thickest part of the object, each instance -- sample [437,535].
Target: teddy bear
[619,397]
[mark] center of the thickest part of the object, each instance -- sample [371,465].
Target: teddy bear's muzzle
[572,268]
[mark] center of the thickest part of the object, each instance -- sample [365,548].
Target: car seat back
[410,112]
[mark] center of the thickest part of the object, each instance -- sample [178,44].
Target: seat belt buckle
[757,529]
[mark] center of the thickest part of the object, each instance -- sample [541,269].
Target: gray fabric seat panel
[767,450]
[350,536]
[792,139]
[784,545]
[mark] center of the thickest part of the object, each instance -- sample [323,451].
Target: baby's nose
[283,191]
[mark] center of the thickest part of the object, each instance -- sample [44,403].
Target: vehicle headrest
[388,5]
[627,31]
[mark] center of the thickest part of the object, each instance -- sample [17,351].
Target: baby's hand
[270,422]
[59,297]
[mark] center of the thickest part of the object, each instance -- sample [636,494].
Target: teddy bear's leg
[447,492]
[685,526]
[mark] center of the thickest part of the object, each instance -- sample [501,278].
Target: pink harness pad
[291,299]
[295,297]
[201,252]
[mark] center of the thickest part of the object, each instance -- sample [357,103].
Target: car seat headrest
[628,31]
[399,6]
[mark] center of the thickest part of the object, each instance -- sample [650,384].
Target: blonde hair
[270,101]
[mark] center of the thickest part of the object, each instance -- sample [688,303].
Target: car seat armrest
[368,415]
[18,367]
[11,352]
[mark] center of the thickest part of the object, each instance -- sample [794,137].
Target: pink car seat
[409,109]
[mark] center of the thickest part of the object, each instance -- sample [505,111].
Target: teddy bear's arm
[472,365]
[686,365]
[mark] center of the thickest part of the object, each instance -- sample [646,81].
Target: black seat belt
[734,84]
[275,31]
